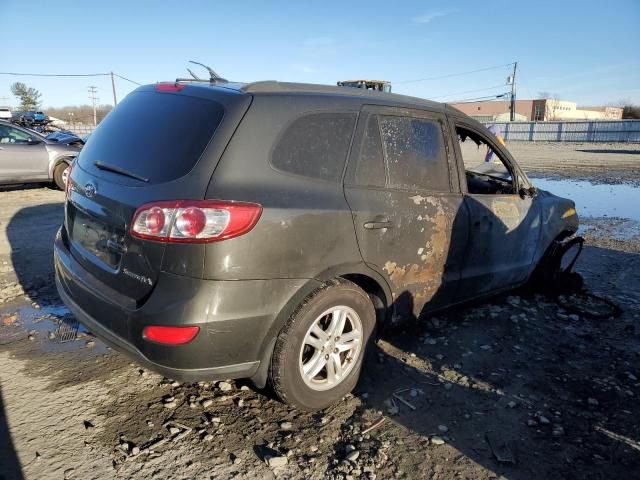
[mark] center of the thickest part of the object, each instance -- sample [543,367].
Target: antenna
[213,76]
[195,77]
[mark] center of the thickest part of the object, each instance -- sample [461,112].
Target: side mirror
[34,142]
[528,192]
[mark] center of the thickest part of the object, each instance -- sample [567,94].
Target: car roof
[271,87]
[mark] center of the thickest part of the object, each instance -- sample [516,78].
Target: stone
[393,410]
[512,404]
[206,403]
[208,437]
[90,343]
[275,462]
[174,430]
[225,386]
[286,426]
[443,428]
[557,431]
[485,347]
[353,456]
[171,404]
[448,386]
[543,420]
[440,356]
[135,450]
[592,401]
[435,440]
[413,392]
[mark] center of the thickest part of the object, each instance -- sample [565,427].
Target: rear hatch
[157,144]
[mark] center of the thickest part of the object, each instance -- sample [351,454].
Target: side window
[13,135]
[370,164]
[486,171]
[414,153]
[315,145]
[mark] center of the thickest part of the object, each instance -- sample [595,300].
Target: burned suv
[267,230]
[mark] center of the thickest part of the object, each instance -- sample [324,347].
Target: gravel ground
[524,386]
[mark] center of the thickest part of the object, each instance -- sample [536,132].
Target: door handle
[377,225]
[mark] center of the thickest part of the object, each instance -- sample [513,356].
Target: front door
[20,157]
[505,221]
[407,209]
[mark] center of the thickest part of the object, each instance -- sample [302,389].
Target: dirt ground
[524,386]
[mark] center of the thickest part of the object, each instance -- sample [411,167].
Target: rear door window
[158,136]
[315,145]
[414,153]
[370,169]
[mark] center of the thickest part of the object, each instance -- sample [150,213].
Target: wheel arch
[364,277]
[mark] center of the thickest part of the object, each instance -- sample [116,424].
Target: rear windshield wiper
[112,168]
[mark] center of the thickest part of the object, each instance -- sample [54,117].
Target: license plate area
[96,237]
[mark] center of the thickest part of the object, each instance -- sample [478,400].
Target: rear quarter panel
[306,226]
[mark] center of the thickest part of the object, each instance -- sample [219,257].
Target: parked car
[5,113]
[26,156]
[270,229]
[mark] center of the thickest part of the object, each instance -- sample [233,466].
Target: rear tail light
[194,221]
[170,335]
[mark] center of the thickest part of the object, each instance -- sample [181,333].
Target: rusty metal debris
[172,438]
[412,407]
[374,425]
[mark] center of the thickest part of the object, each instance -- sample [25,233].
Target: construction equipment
[378,85]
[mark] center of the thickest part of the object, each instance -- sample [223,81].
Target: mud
[523,386]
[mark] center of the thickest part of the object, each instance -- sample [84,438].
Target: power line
[470,91]
[127,79]
[454,74]
[55,74]
[477,99]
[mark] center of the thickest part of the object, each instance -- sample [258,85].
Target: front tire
[60,175]
[320,350]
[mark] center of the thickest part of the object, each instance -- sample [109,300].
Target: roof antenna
[195,77]
[213,76]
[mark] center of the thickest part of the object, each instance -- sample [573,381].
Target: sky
[583,51]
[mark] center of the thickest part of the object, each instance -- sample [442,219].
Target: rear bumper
[236,319]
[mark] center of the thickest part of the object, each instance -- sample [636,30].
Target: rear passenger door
[408,211]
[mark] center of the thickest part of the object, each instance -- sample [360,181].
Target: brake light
[170,335]
[169,87]
[194,221]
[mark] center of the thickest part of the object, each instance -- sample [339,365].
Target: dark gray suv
[266,230]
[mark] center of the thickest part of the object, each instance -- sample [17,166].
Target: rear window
[158,136]
[315,145]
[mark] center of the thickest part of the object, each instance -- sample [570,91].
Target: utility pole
[512,115]
[113,88]
[94,100]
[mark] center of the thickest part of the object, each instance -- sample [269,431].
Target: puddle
[620,201]
[54,326]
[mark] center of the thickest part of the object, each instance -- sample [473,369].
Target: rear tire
[59,175]
[338,307]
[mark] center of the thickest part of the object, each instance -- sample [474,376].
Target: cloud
[429,17]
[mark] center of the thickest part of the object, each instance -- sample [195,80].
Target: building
[547,109]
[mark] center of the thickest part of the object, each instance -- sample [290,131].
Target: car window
[315,145]
[155,135]
[13,135]
[414,153]
[370,165]
[486,171]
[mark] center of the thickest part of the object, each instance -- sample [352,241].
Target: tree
[29,97]
[631,112]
